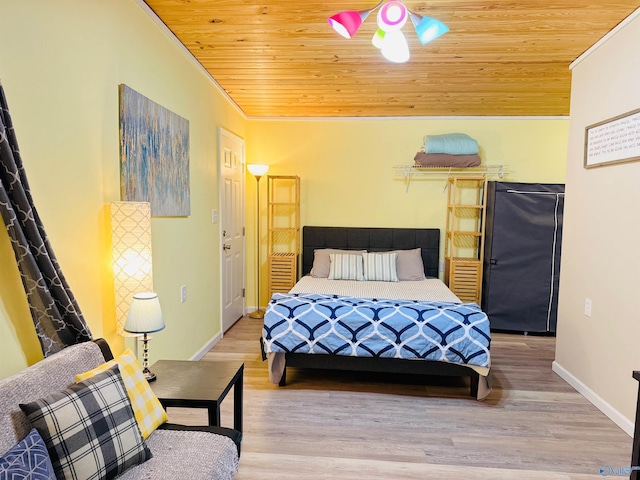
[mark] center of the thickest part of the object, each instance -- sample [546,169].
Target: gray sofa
[178,451]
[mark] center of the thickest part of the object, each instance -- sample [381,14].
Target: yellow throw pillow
[146,406]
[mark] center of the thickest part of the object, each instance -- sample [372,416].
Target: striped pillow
[380,267]
[345,267]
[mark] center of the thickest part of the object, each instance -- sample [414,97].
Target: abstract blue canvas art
[154,155]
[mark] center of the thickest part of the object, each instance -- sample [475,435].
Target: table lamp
[144,317]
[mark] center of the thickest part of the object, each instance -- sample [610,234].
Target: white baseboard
[206,347]
[616,417]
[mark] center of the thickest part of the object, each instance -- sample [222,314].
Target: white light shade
[257,169]
[145,314]
[395,47]
[131,254]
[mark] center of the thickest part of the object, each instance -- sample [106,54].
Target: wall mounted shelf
[411,171]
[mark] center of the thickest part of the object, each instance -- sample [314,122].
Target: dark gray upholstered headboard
[373,240]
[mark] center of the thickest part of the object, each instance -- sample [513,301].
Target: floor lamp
[257,170]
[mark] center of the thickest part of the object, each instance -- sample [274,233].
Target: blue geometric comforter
[334,324]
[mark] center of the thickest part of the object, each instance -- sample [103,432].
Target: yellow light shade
[131,254]
[378,38]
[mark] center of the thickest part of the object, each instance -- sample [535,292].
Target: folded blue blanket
[451,143]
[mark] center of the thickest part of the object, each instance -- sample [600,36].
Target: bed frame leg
[283,379]
[474,380]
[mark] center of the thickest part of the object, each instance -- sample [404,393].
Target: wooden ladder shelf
[464,240]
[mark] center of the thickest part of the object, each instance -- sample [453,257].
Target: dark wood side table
[635,453]
[201,384]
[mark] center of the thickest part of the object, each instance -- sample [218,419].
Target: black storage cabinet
[523,237]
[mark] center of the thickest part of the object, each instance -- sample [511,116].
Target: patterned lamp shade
[131,248]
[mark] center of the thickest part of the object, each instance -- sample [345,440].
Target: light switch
[587,307]
[214,216]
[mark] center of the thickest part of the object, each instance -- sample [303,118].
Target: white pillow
[345,267]
[380,267]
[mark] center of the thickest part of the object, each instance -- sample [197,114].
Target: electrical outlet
[587,307]
[183,293]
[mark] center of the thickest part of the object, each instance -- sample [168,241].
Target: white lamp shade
[257,169]
[145,314]
[395,47]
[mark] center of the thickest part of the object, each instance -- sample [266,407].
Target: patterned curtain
[55,312]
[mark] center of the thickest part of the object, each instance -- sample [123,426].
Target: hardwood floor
[326,425]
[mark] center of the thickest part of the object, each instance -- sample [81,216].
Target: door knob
[226,247]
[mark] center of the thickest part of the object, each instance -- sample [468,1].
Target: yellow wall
[61,63]
[346,167]
[600,258]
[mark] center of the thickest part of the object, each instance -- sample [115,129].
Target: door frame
[224,132]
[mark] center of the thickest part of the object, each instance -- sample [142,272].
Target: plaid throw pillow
[28,459]
[380,267]
[89,428]
[146,406]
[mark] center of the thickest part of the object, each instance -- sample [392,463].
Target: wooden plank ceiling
[280,58]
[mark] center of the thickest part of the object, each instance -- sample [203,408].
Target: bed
[352,324]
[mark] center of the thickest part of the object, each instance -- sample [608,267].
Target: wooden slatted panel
[282,272]
[464,278]
[281,58]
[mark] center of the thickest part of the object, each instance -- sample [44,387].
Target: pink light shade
[392,16]
[348,22]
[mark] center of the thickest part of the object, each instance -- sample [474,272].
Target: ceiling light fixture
[389,37]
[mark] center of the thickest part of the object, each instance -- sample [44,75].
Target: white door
[231,161]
